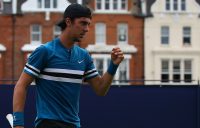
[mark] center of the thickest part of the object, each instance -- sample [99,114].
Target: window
[123,74]
[98,4]
[107,4]
[167,5]
[165,71]
[176,71]
[175,5]
[36,34]
[111,5]
[164,35]
[57,31]
[188,71]
[122,33]
[99,65]
[183,5]
[100,33]
[115,5]
[102,62]
[47,4]
[186,36]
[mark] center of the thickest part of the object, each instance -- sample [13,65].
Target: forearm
[105,83]
[19,98]
[102,84]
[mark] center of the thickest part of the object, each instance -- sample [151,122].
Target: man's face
[79,27]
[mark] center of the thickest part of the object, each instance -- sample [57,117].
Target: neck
[66,40]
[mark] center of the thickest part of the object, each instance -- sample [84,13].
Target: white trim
[107,56]
[29,47]
[34,73]
[61,6]
[33,67]
[14,6]
[2,48]
[2,5]
[99,48]
[56,70]
[60,79]
[6,0]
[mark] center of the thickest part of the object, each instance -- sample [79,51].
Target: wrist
[18,119]
[112,68]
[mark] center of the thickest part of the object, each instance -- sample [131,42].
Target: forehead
[84,19]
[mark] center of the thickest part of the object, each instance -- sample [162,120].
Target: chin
[77,40]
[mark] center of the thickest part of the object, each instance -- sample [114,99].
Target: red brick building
[114,23]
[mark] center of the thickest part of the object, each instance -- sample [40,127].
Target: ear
[68,21]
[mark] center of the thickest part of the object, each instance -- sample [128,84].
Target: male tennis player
[59,67]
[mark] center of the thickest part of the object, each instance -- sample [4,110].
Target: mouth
[82,35]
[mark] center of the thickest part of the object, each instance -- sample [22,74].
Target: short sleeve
[36,61]
[90,71]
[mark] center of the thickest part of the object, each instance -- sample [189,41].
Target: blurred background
[156,86]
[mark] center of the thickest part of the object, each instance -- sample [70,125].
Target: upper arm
[24,80]
[36,62]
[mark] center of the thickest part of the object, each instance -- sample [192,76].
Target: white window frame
[56,31]
[119,27]
[111,7]
[100,33]
[34,42]
[165,35]
[42,6]
[105,58]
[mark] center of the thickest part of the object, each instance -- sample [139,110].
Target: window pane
[164,35]
[167,6]
[176,66]
[122,33]
[188,71]
[35,37]
[107,4]
[165,71]
[165,78]
[123,6]
[57,31]
[188,66]
[39,3]
[123,71]
[186,35]
[47,4]
[98,4]
[176,71]
[175,5]
[176,78]
[115,5]
[99,66]
[188,78]
[55,3]
[35,33]
[100,33]
[183,5]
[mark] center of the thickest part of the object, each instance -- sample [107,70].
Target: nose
[86,28]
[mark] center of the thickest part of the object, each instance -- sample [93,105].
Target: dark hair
[74,11]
